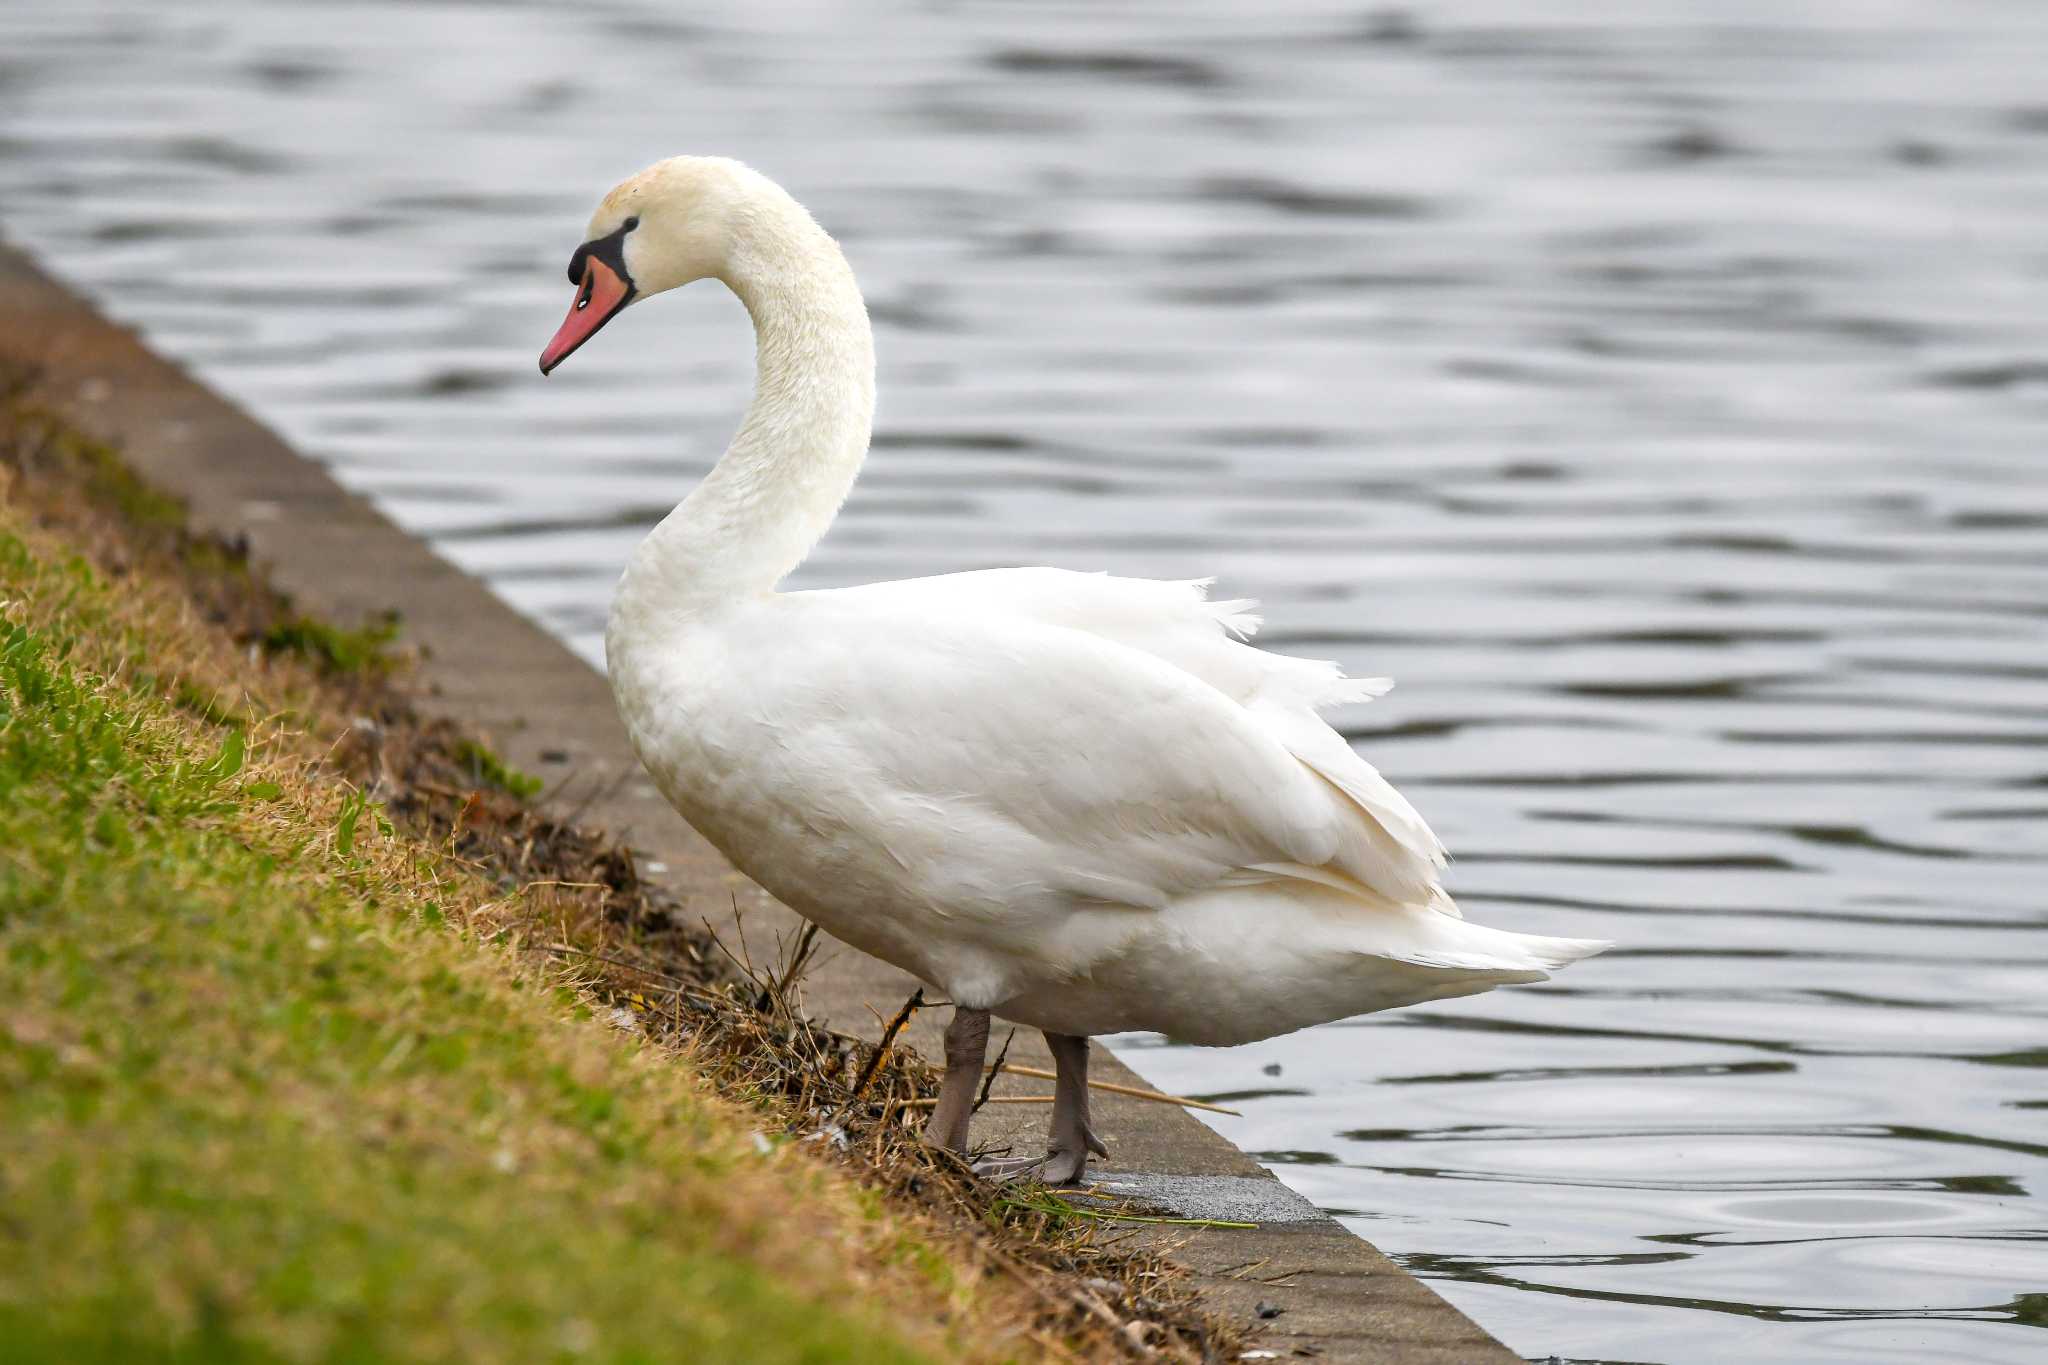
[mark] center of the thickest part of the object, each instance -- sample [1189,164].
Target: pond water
[1659,392]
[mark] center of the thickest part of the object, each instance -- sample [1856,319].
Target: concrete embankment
[551,714]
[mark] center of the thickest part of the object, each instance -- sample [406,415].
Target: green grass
[141,508]
[336,649]
[106,477]
[254,1106]
[485,766]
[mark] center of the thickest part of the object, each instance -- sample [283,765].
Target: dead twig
[1156,1096]
[910,1007]
[799,959]
[989,1080]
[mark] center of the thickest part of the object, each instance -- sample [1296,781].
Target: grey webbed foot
[1067,1162]
[1006,1170]
[1060,1166]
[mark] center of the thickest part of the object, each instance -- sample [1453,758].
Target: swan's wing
[991,757]
[1176,623]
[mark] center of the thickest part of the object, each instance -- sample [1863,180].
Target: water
[1660,393]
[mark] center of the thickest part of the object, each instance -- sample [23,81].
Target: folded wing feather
[1387,851]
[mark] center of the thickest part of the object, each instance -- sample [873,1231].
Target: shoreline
[550,714]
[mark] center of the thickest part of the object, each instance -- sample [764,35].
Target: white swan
[1075,801]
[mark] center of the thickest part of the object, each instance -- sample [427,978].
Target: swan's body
[1074,800]
[1040,792]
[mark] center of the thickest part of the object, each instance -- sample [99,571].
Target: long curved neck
[772,495]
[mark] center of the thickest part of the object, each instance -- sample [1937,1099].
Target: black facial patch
[611,249]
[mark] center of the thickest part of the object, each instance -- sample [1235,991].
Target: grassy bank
[257,1101]
[319,1041]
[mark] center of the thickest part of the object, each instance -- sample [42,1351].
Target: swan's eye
[632,222]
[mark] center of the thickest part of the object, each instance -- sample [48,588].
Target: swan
[1076,801]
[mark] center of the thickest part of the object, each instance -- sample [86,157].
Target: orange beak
[599,297]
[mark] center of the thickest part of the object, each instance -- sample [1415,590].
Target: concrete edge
[549,713]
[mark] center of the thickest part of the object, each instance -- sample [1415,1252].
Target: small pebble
[831,1134]
[579,1336]
[1268,1311]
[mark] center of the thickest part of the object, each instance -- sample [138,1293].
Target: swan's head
[669,225]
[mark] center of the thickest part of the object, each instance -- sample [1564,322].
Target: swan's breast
[731,720]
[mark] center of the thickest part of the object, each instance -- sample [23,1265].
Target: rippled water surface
[1660,393]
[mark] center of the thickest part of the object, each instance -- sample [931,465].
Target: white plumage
[1079,801]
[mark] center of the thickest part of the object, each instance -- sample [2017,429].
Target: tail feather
[1460,945]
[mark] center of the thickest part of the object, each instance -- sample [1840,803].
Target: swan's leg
[1066,1157]
[966,1047]
[1071,1140]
